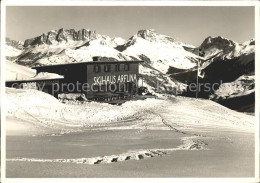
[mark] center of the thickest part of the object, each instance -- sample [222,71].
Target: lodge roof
[32,80]
[88,63]
[39,77]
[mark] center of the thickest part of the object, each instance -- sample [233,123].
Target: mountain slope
[162,51]
[227,63]
[13,48]
[239,94]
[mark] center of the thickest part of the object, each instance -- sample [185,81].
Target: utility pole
[197,89]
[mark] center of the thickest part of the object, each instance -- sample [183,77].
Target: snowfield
[162,55]
[175,136]
[44,114]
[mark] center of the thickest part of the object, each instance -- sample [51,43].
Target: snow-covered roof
[46,75]
[18,72]
[90,62]
[41,76]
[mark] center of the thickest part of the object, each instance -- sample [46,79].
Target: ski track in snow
[189,143]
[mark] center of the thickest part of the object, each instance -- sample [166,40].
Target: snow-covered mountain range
[232,66]
[166,60]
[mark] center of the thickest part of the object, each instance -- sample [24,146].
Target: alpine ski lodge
[97,79]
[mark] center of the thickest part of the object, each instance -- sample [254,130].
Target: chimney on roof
[96,58]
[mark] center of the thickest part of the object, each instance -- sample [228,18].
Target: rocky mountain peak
[16,44]
[218,42]
[152,36]
[250,42]
[57,36]
[147,34]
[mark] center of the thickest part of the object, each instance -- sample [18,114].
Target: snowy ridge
[86,53]
[161,56]
[242,86]
[61,41]
[15,44]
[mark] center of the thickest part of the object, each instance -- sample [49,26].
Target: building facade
[98,80]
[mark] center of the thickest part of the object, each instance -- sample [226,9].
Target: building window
[127,67]
[107,68]
[117,67]
[97,68]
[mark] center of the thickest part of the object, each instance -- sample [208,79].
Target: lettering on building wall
[99,80]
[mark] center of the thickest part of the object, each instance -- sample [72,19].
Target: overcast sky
[187,24]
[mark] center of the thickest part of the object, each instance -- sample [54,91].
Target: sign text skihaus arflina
[113,79]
